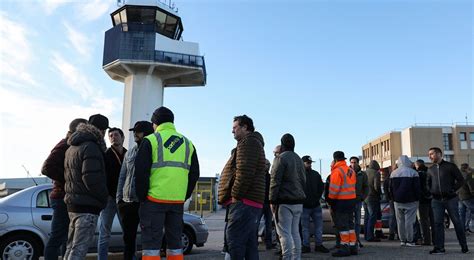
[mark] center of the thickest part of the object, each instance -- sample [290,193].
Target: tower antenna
[29,175]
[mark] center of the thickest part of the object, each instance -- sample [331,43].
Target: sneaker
[465,250]
[321,249]
[305,249]
[403,244]
[437,251]
[411,244]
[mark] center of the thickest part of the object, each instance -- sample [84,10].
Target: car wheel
[20,246]
[187,239]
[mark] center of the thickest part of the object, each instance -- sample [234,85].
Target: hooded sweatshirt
[405,182]
[373,177]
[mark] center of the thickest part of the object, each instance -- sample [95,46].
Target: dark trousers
[425,214]
[129,218]
[451,205]
[156,217]
[392,224]
[267,214]
[59,229]
[241,229]
[371,215]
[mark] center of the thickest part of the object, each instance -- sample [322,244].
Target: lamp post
[320,172]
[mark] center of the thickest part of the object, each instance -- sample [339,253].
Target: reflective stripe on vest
[161,163]
[345,190]
[171,159]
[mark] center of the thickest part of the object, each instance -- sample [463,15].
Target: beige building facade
[456,142]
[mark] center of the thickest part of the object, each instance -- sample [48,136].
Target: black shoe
[321,249]
[305,249]
[391,237]
[354,250]
[465,250]
[360,244]
[437,251]
[342,252]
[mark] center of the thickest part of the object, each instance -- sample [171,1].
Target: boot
[379,234]
[342,251]
[354,250]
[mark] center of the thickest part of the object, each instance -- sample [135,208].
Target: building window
[448,142]
[471,137]
[463,140]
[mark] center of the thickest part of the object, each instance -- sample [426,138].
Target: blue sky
[335,74]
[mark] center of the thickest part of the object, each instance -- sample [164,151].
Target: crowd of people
[289,193]
[148,184]
[145,186]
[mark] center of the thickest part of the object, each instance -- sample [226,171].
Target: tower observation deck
[144,49]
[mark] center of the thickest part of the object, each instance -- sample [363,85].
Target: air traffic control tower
[144,49]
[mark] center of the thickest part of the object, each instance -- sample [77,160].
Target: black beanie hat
[162,115]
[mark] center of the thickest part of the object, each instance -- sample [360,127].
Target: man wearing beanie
[85,187]
[53,167]
[127,200]
[342,196]
[166,171]
[287,186]
[242,189]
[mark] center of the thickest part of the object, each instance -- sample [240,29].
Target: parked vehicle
[25,222]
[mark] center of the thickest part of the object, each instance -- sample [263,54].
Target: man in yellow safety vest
[166,170]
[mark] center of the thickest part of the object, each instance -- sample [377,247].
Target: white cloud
[15,52]
[50,6]
[94,9]
[30,127]
[73,77]
[80,42]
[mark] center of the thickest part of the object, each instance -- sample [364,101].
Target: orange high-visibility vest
[342,183]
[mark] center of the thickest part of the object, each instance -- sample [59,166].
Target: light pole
[320,172]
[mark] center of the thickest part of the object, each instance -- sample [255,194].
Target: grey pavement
[379,250]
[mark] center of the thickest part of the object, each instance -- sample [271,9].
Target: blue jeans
[317,215]
[59,226]
[466,212]
[357,217]
[288,229]
[81,233]
[106,219]
[241,231]
[373,210]
[451,205]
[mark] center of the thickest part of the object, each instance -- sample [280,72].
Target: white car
[25,222]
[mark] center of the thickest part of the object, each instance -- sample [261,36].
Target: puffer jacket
[405,182]
[444,179]
[126,182]
[288,179]
[243,176]
[373,177]
[84,171]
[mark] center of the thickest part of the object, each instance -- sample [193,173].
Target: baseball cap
[307,158]
[142,127]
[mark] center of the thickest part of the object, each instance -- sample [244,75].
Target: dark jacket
[113,164]
[404,182]
[373,176]
[444,179]
[143,163]
[362,186]
[53,167]
[267,182]
[243,176]
[288,179]
[313,190]
[466,192]
[425,196]
[84,171]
